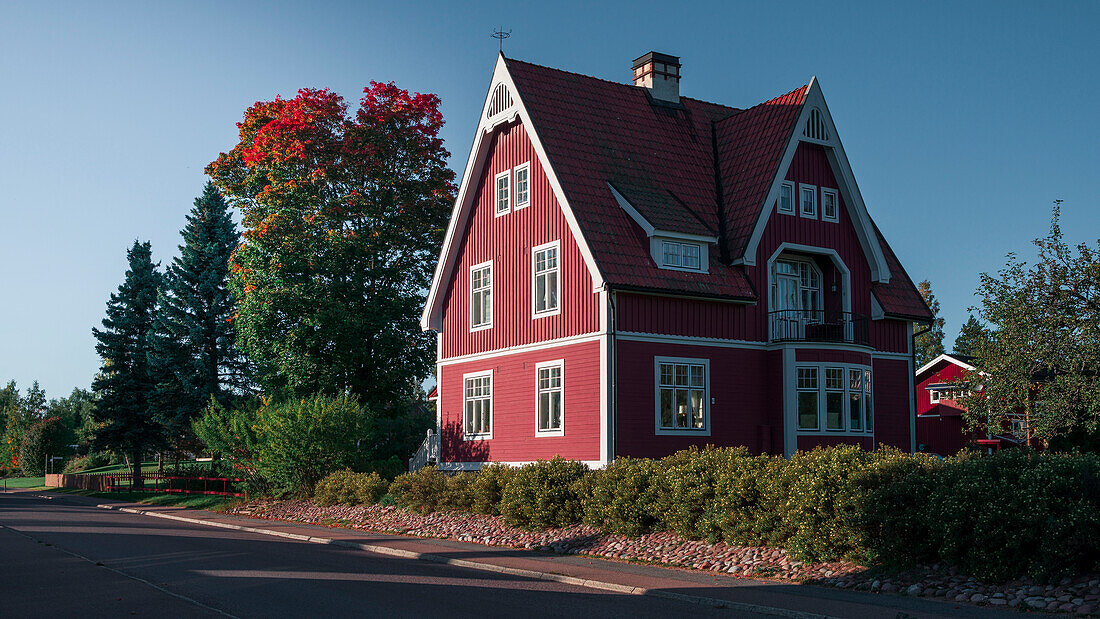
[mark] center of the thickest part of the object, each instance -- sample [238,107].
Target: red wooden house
[628,272]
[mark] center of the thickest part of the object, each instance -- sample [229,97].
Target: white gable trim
[945,357]
[849,191]
[431,318]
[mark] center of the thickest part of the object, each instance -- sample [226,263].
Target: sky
[963,122]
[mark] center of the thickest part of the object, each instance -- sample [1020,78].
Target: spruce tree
[971,337]
[194,347]
[124,385]
[929,345]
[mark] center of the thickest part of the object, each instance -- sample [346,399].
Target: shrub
[620,497]
[458,492]
[544,494]
[93,460]
[349,488]
[687,489]
[43,438]
[421,491]
[488,488]
[893,513]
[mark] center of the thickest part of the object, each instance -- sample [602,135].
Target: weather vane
[500,35]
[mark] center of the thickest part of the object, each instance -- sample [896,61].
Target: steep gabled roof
[660,158]
[899,298]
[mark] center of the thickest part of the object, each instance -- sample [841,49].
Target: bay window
[833,398]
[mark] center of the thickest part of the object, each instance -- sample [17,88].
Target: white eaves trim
[479,152]
[945,357]
[849,191]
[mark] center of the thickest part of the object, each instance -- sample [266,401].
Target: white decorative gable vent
[501,101]
[815,127]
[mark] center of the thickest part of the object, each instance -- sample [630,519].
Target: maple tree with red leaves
[344,215]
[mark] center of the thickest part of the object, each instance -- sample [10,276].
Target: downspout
[613,379]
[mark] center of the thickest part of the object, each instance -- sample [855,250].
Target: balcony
[818,326]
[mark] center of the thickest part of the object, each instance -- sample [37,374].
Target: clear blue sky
[962,123]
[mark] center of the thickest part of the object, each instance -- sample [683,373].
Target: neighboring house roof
[673,165]
[963,361]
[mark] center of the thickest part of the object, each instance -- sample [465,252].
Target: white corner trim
[848,189]
[431,317]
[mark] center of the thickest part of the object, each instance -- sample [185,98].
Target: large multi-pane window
[522,185]
[503,192]
[841,402]
[549,393]
[478,404]
[808,398]
[683,255]
[682,403]
[481,296]
[547,284]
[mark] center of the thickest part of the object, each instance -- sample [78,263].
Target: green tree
[972,337]
[194,344]
[76,413]
[44,438]
[929,345]
[124,385]
[20,413]
[1042,360]
[343,220]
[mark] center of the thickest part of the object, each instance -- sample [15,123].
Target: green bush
[93,460]
[688,486]
[421,491]
[458,492]
[350,488]
[544,494]
[620,497]
[488,488]
[44,438]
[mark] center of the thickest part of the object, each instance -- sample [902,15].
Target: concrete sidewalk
[737,594]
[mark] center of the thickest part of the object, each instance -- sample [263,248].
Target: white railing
[428,454]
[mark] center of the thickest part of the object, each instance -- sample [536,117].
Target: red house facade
[940,427]
[628,272]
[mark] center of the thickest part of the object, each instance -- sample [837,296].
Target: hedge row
[996,517]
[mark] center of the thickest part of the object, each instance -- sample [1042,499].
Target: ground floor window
[549,394]
[682,397]
[834,398]
[478,405]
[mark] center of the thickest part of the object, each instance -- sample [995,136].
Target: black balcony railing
[818,326]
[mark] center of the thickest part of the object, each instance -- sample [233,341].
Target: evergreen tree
[194,345]
[929,345]
[124,385]
[971,338]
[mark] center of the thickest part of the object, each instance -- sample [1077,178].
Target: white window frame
[523,167]
[801,211]
[866,394]
[506,176]
[934,396]
[793,210]
[836,205]
[492,283]
[560,364]
[707,404]
[680,245]
[534,280]
[479,436]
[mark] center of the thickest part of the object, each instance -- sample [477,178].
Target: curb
[488,567]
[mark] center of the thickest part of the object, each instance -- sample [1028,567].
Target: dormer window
[683,255]
[504,193]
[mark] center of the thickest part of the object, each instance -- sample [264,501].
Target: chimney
[660,73]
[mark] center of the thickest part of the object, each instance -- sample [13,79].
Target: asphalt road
[60,557]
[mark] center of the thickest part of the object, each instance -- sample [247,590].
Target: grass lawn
[23,482]
[191,501]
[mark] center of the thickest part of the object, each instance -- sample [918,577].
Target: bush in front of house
[349,488]
[488,487]
[422,491]
[620,497]
[544,494]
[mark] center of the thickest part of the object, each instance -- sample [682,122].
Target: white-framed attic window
[830,205]
[502,185]
[682,255]
[521,185]
[807,201]
[785,202]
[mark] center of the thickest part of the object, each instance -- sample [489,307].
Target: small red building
[940,427]
[628,272]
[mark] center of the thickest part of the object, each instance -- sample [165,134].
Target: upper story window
[796,285]
[549,394]
[785,204]
[808,200]
[683,255]
[481,296]
[547,284]
[522,185]
[682,396]
[477,401]
[830,205]
[503,193]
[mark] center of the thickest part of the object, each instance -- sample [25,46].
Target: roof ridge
[624,85]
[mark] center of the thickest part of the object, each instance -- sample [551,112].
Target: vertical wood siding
[890,335]
[513,407]
[944,435]
[891,381]
[507,241]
